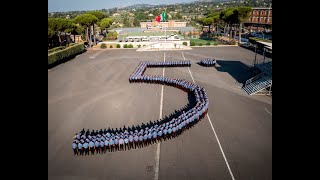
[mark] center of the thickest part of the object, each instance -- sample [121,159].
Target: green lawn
[204,42]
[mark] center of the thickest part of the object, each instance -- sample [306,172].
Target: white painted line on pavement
[220,147]
[268,111]
[157,168]
[156,176]
[96,54]
[215,134]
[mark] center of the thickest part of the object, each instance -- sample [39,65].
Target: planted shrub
[130,46]
[103,46]
[118,46]
[215,43]
[144,45]
[199,44]
[233,42]
[208,43]
[185,43]
[125,46]
[65,53]
[111,46]
[192,43]
[139,45]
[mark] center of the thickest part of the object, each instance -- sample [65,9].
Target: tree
[207,22]
[100,15]
[140,16]
[112,35]
[86,20]
[75,30]
[126,21]
[244,14]
[51,33]
[136,22]
[230,17]
[215,19]
[105,23]
[58,25]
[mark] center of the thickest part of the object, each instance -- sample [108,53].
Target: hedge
[56,49]
[65,53]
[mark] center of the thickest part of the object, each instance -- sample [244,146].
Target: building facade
[260,18]
[170,23]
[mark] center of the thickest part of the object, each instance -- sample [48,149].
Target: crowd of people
[208,62]
[104,141]
[168,63]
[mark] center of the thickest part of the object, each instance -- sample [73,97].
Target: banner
[158,18]
[163,17]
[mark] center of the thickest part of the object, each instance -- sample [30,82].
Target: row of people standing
[208,62]
[110,141]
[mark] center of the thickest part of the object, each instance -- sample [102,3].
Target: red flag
[157,18]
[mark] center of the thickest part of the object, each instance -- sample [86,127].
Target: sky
[81,5]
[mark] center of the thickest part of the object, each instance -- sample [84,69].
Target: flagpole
[165,28]
[165,34]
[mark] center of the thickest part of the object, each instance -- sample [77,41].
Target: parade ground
[92,91]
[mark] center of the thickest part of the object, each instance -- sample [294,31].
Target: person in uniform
[80,148]
[97,146]
[91,146]
[121,143]
[101,144]
[74,147]
[136,139]
[86,148]
[126,141]
[116,143]
[106,145]
[111,143]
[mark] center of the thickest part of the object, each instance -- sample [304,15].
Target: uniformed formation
[103,141]
[208,62]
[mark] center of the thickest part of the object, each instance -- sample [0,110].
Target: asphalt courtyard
[234,141]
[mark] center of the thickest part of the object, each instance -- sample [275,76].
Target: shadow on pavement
[239,71]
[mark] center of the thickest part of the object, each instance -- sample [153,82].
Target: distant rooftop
[137,30]
[261,8]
